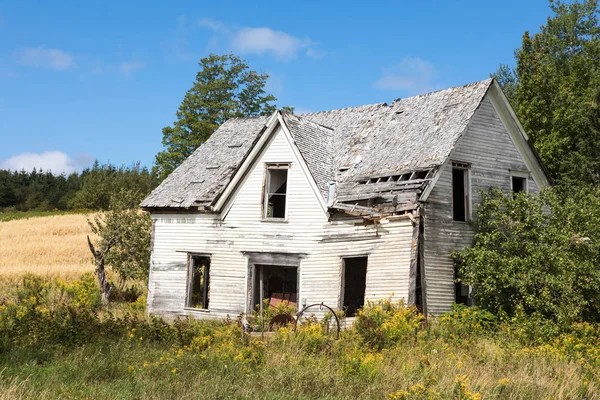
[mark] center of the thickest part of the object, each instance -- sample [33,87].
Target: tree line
[90,189]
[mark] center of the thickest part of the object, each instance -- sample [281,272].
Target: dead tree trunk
[105,286]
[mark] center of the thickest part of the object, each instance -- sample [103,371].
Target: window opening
[276,283]
[276,191]
[460,192]
[519,184]
[198,282]
[354,280]
[462,293]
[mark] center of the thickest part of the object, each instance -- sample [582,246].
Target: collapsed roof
[381,154]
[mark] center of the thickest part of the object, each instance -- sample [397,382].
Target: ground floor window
[276,283]
[198,282]
[354,281]
[462,293]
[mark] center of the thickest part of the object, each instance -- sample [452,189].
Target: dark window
[461,292]
[354,280]
[460,193]
[276,284]
[275,191]
[198,282]
[519,184]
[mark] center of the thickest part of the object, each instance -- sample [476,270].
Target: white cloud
[56,161]
[129,67]
[264,40]
[413,75]
[213,24]
[41,57]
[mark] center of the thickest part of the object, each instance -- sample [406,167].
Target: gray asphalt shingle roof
[344,145]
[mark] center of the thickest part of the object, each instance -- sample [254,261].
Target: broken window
[462,293]
[354,281]
[460,191]
[275,195]
[518,184]
[276,283]
[198,282]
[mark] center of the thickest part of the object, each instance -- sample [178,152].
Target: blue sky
[87,80]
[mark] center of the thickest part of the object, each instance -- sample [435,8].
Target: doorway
[354,282]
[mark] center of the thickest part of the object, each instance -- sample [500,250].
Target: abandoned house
[339,207]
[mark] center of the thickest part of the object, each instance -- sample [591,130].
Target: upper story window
[275,191]
[461,191]
[518,181]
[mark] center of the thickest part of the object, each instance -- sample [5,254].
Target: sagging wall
[491,152]
[307,231]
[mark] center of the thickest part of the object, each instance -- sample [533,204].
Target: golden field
[53,246]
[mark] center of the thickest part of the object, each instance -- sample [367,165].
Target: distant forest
[90,189]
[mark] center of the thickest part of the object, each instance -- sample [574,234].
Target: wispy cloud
[176,46]
[213,24]
[413,75]
[56,161]
[41,57]
[263,40]
[129,67]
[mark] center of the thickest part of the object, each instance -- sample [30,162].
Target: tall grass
[57,342]
[51,245]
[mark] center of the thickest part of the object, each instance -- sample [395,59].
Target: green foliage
[463,322]
[101,182]
[536,255]
[125,234]
[225,87]
[555,90]
[52,348]
[384,323]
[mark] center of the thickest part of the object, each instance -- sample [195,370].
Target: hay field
[53,245]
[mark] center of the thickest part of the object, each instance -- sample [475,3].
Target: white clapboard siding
[491,152]
[306,231]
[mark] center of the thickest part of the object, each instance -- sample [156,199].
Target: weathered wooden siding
[306,231]
[488,147]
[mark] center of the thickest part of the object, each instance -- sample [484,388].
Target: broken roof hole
[212,166]
[233,145]
[422,174]
[405,177]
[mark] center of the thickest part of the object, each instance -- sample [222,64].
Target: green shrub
[463,322]
[383,323]
[536,255]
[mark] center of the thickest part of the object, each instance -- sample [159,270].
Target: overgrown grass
[63,344]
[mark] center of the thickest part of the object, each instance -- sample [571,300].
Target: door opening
[354,281]
[276,283]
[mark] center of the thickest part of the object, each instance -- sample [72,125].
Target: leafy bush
[464,322]
[384,323]
[539,255]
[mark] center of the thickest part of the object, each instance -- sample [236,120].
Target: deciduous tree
[124,240]
[225,87]
[554,89]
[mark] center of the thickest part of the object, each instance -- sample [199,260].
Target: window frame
[265,193]
[189,282]
[466,168]
[519,174]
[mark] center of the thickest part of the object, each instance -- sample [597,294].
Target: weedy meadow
[58,341]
